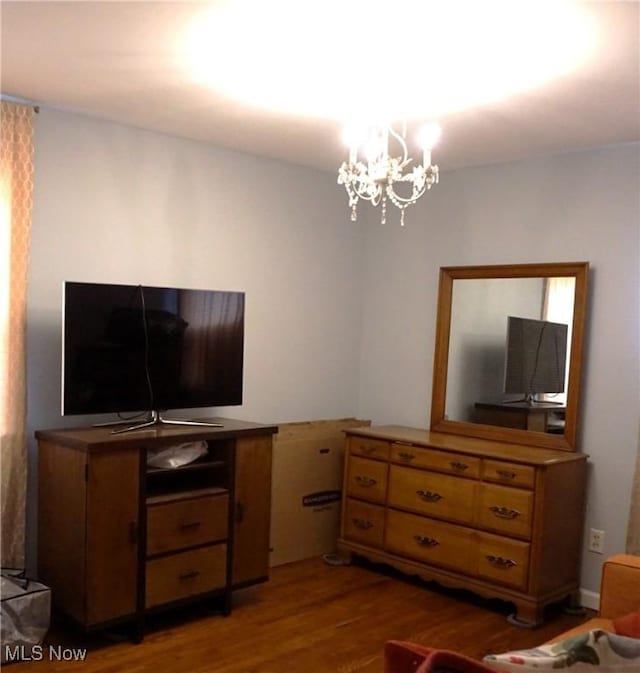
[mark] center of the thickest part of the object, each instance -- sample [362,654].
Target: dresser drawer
[186,523]
[510,474]
[437,495]
[364,523]
[369,448]
[367,479]
[433,459]
[170,578]
[502,560]
[506,510]
[430,541]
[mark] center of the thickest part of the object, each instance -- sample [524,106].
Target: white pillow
[590,652]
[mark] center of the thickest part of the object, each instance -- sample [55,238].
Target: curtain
[558,307]
[633,534]
[16,183]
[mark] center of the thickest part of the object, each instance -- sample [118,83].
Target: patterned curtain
[16,186]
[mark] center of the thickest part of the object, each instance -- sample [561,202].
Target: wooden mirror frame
[439,421]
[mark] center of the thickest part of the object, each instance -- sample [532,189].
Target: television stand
[119,540]
[538,417]
[156,419]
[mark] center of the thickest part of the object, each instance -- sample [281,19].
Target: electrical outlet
[596,541]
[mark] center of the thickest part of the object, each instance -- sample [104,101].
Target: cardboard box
[306,488]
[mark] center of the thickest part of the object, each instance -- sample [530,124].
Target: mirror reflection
[509,352]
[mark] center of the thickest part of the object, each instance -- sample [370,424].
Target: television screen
[133,348]
[536,356]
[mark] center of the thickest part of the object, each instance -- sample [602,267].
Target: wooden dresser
[118,539]
[500,519]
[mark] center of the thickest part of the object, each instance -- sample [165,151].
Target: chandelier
[381,176]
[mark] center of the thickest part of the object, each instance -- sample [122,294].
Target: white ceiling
[117,61]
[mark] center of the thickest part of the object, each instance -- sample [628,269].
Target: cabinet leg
[226,604]
[137,630]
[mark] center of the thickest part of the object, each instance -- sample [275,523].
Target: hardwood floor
[309,617]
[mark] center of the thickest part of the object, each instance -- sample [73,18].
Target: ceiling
[118,61]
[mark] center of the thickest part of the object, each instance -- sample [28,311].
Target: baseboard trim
[589,599]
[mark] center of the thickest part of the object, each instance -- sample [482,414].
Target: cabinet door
[252,510]
[112,534]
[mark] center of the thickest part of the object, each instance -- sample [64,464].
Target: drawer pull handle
[405,455]
[429,496]
[458,466]
[365,481]
[506,474]
[362,524]
[425,541]
[189,575]
[505,512]
[500,562]
[368,450]
[186,525]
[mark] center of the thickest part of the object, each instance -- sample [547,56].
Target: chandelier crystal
[380,177]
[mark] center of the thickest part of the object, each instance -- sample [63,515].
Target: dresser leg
[573,607]
[345,555]
[527,615]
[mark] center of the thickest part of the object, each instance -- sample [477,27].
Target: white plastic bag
[25,613]
[176,455]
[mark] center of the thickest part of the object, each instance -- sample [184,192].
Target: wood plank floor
[309,617]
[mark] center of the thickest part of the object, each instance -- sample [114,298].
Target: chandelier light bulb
[429,135]
[427,139]
[354,135]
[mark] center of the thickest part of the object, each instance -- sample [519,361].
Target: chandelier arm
[403,144]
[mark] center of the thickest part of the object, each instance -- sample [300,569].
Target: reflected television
[536,356]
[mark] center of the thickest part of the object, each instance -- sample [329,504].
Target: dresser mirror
[508,355]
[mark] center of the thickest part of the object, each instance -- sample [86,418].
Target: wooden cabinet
[499,519]
[117,538]
[252,510]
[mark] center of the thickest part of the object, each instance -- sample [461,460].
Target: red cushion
[405,657]
[628,625]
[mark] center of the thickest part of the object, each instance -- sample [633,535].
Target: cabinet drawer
[170,578]
[437,495]
[367,479]
[186,523]
[502,560]
[369,448]
[364,523]
[506,510]
[510,474]
[433,459]
[430,541]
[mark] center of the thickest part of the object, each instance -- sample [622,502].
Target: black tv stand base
[156,419]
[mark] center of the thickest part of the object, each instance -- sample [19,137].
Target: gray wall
[118,204]
[340,316]
[477,343]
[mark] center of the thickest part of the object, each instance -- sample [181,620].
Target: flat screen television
[536,356]
[132,348]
